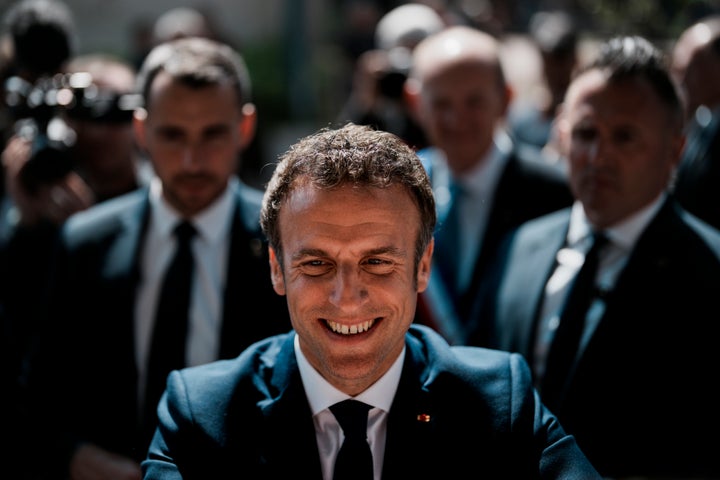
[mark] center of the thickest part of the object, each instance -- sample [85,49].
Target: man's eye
[315,267]
[623,136]
[583,134]
[379,266]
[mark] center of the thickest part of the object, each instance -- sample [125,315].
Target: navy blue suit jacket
[83,375]
[647,370]
[527,188]
[250,418]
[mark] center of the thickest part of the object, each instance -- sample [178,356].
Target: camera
[392,79]
[39,111]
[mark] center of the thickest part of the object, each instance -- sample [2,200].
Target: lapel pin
[423,417]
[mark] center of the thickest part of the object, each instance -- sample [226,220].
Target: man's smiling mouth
[350,329]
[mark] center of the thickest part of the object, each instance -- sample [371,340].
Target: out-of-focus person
[555,36]
[37,37]
[614,300]
[696,65]
[106,342]
[40,36]
[105,153]
[376,97]
[100,161]
[484,185]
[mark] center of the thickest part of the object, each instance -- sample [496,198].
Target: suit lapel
[522,291]
[123,259]
[121,272]
[244,251]
[288,444]
[651,262]
[541,258]
[411,422]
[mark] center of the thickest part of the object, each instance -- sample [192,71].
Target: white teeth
[352,329]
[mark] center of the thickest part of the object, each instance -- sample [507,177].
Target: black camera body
[392,80]
[39,111]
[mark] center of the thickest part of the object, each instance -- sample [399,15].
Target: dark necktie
[354,460]
[564,346]
[167,351]
[448,241]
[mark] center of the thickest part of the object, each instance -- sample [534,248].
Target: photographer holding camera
[70,145]
[40,35]
[73,144]
[376,97]
[42,38]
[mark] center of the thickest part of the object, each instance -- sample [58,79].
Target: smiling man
[349,215]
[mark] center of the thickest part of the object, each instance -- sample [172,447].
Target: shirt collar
[486,174]
[212,223]
[624,233]
[321,394]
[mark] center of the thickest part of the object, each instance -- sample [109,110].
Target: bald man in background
[460,97]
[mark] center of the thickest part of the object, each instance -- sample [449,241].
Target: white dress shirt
[210,249]
[621,240]
[322,395]
[479,185]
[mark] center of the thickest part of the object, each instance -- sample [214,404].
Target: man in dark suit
[644,351]
[92,369]
[461,98]
[349,214]
[696,63]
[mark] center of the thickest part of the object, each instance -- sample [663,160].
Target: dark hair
[195,62]
[43,35]
[632,56]
[352,154]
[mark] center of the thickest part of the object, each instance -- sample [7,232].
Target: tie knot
[599,240]
[599,236]
[184,231]
[352,416]
[457,189]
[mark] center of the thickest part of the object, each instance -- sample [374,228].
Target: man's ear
[138,123]
[411,97]
[247,125]
[423,275]
[508,97]
[560,131]
[276,274]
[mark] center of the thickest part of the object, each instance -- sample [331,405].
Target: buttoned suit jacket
[646,369]
[527,189]
[456,411]
[83,376]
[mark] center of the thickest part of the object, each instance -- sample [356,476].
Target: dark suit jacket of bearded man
[83,376]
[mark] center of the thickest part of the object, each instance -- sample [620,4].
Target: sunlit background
[300,52]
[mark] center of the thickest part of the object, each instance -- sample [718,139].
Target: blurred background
[301,52]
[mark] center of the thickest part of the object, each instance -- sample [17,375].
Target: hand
[368,69]
[55,201]
[90,462]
